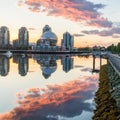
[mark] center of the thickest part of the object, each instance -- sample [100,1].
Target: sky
[92,22]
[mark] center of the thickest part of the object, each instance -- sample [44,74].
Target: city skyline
[91,22]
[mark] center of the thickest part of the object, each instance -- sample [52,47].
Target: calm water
[48,87]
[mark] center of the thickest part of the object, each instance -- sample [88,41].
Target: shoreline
[106,108]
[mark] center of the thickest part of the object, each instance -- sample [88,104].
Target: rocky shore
[106,108]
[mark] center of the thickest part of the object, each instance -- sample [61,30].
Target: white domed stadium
[48,37]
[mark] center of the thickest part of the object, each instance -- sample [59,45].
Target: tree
[118,48]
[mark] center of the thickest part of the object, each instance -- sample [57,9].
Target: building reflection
[4,65]
[22,61]
[47,63]
[67,63]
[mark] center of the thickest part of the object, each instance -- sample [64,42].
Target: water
[48,87]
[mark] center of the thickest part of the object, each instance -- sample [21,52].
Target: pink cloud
[114,32]
[81,11]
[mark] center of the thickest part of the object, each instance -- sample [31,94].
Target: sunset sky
[92,22]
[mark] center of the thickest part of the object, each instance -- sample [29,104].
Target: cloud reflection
[86,70]
[68,100]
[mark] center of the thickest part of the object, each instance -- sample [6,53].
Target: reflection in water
[47,64]
[23,66]
[67,63]
[66,100]
[66,96]
[22,61]
[4,65]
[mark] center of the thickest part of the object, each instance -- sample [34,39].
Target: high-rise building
[4,36]
[23,36]
[68,41]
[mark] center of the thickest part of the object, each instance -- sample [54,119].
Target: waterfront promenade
[114,61]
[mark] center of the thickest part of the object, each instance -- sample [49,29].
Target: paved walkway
[115,60]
